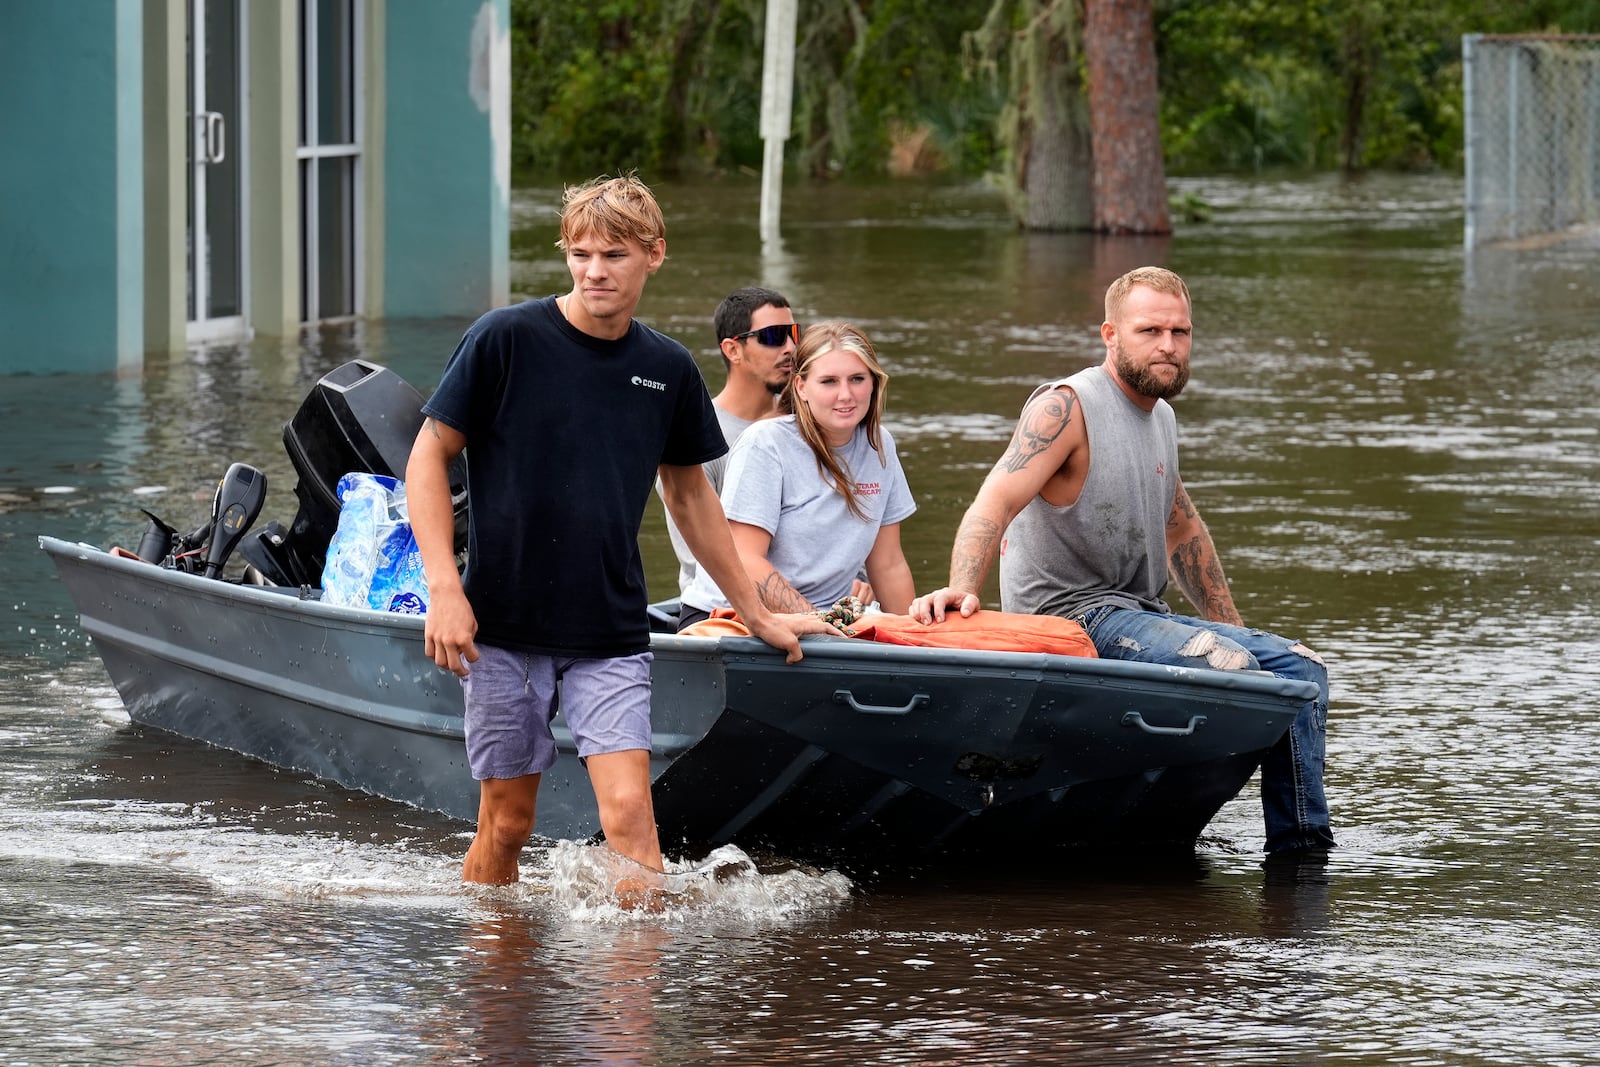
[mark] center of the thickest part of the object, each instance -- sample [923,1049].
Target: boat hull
[862,749]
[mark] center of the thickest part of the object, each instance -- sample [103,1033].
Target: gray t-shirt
[732,427]
[773,482]
[1110,545]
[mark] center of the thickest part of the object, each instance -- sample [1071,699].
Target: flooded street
[1394,444]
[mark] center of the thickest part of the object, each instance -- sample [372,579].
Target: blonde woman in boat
[816,497]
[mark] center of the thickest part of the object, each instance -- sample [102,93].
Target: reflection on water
[1391,442]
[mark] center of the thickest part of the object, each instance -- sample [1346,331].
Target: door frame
[309,157]
[200,325]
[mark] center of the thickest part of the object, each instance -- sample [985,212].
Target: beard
[1141,381]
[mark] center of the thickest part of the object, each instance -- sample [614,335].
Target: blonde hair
[819,339]
[1160,279]
[616,209]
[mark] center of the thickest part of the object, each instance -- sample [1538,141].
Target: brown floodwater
[1394,443]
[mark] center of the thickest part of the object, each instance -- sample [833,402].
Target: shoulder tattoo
[1043,420]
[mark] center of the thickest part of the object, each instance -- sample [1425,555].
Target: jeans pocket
[1091,618]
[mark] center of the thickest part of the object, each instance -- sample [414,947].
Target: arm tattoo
[1182,508]
[976,542]
[1188,567]
[779,596]
[432,426]
[1194,562]
[1042,422]
[1198,572]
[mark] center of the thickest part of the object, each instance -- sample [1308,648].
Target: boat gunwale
[746,651]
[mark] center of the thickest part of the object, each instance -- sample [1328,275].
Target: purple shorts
[513,697]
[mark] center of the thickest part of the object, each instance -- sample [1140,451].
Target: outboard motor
[240,494]
[359,417]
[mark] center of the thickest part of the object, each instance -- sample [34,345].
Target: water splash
[591,882]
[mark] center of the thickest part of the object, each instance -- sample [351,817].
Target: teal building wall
[93,173]
[448,102]
[71,232]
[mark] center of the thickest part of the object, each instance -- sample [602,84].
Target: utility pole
[777,101]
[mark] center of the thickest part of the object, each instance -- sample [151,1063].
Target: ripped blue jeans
[1293,803]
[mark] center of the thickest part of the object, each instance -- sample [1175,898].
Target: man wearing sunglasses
[757,335]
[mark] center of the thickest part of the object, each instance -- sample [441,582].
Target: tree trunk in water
[1130,182]
[679,135]
[1356,52]
[1055,159]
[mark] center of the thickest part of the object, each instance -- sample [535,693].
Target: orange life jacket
[997,631]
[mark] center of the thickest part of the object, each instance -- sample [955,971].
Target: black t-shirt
[564,434]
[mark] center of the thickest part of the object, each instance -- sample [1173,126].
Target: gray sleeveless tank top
[1110,546]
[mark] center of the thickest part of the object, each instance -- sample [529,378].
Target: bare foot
[637,894]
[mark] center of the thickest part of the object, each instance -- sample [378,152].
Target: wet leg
[505,823]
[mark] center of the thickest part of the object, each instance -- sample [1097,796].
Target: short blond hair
[616,209]
[1160,279]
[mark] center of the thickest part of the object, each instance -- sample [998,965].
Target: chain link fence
[1532,135]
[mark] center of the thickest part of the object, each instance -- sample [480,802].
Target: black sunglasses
[772,336]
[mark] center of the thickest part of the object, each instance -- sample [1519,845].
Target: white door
[216,194]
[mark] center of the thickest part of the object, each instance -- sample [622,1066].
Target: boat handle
[1133,718]
[844,696]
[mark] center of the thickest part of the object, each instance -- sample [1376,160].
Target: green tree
[588,84]
[675,86]
[921,108]
[969,86]
[1335,83]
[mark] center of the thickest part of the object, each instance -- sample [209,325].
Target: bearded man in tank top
[1089,518]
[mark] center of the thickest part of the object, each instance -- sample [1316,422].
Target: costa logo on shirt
[659,387]
[868,488]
